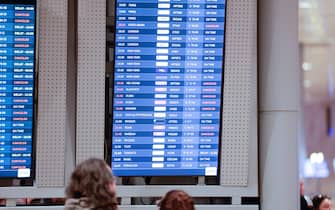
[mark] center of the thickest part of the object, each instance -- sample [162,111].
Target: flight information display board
[17,64]
[168,84]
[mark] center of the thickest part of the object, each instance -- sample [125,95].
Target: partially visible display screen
[17,69]
[168,84]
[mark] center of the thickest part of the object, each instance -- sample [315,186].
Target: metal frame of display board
[146,207]
[81,103]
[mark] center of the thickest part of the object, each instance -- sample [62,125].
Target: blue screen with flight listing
[168,83]
[17,70]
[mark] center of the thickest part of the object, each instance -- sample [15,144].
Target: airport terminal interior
[229,101]
[316,37]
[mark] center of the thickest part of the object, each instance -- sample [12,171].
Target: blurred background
[317,58]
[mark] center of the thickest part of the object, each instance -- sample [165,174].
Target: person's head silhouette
[92,185]
[176,200]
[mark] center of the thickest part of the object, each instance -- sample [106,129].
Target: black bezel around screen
[221,102]
[29,179]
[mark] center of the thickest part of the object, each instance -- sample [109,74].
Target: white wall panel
[239,134]
[91,79]
[51,93]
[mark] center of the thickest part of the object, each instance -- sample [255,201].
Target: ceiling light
[305,4]
[317,157]
[307,83]
[307,66]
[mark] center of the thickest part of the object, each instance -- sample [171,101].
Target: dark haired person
[176,200]
[92,186]
[303,201]
[321,202]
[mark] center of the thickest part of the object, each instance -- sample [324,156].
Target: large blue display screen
[168,87]
[17,64]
